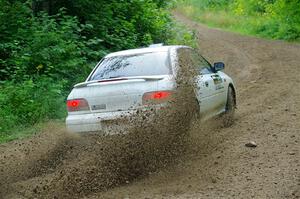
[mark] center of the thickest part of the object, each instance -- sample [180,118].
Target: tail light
[77,105]
[157,97]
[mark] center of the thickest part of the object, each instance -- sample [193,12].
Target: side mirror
[219,66]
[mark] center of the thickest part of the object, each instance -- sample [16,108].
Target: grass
[219,19]
[19,133]
[25,132]
[256,25]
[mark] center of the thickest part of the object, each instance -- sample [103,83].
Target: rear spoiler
[146,78]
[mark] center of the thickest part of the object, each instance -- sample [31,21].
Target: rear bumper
[95,122]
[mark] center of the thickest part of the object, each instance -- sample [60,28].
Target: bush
[50,46]
[24,104]
[39,63]
[287,16]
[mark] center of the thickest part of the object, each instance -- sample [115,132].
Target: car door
[210,87]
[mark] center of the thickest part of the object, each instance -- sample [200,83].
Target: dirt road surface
[215,163]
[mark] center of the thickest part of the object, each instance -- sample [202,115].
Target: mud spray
[56,164]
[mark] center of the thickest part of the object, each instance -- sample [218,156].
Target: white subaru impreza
[126,81]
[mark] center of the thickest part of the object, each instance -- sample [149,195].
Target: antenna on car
[156,45]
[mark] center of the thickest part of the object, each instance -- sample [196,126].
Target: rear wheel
[228,118]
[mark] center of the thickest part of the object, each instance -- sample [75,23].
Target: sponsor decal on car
[217,81]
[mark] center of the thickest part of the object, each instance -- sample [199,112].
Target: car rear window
[145,64]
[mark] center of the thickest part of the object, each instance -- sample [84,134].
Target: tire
[228,118]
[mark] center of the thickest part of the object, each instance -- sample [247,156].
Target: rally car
[126,81]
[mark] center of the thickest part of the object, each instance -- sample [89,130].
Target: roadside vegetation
[275,19]
[46,46]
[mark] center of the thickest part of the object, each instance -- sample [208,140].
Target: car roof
[143,50]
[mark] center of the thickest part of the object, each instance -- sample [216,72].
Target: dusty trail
[215,164]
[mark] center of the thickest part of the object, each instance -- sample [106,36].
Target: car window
[145,64]
[199,62]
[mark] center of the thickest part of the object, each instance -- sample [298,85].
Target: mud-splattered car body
[126,81]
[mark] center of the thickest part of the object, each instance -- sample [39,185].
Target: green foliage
[120,24]
[278,19]
[55,49]
[285,16]
[28,102]
[250,7]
